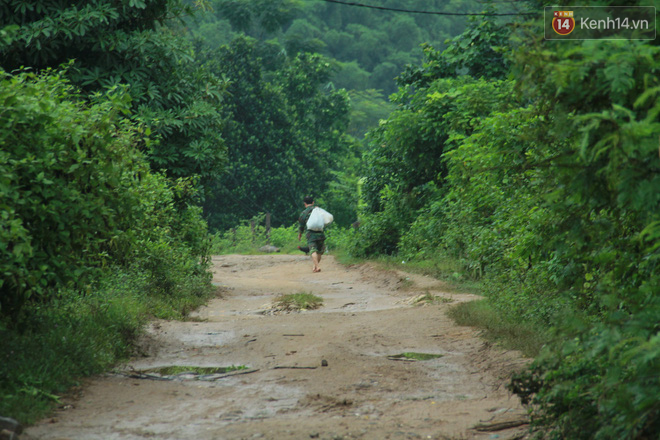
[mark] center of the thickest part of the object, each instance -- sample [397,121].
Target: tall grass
[81,334]
[513,335]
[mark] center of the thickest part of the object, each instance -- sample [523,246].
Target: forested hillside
[350,57]
[369,47]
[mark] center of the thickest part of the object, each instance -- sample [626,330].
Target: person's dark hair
[309,200]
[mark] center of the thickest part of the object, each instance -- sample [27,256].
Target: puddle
[178,369]
[183,372]
[413,356]
[195,338]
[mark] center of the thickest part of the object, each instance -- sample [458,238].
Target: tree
[128,42]
[284,132]
[258,18]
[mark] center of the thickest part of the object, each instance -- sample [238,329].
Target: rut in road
[332,373]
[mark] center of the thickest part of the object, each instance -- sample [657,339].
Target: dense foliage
[65,180]
[128,42]
[406,166]
[540,176]
[286,64]
[91,241]
[372,47]
[285,135]
[77,196]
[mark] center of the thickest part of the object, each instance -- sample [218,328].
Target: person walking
[315,239]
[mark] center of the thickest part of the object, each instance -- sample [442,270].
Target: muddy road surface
[332,373]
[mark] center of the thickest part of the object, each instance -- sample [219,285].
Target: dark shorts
[316,245]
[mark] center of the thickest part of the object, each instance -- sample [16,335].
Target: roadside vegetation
[537,173]
[525,337]
[93,243]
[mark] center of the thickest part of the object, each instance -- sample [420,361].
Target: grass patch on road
[413,356]
[298,301]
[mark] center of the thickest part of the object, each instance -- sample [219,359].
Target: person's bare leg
[316,259]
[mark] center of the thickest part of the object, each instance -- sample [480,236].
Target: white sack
[318,219]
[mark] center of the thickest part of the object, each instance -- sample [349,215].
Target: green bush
[245,238]
[285,238]
[67,173]
[92,243]
[172,244]
[77,196]
[601,381]
[425,236]
[605,376]
[380,231]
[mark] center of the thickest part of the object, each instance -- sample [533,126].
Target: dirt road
[364,392]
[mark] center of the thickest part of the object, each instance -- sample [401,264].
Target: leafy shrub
[378,235]
[605,376]
[425,235]
[67,169]
[600,381]
[380,231]
[285,238]
[172,245]
[247,237]
[79,196]
[92,243]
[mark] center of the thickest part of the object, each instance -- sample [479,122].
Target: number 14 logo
[563,22]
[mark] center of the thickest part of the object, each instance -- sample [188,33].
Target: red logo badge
[563,22]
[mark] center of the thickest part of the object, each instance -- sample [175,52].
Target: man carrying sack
[312,221]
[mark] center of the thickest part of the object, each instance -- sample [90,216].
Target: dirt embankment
[331,373]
